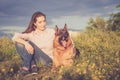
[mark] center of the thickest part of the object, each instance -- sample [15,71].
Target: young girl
[35,44]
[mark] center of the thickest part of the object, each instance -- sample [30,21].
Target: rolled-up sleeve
[24,36]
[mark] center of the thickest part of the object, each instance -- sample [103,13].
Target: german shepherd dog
[64,50]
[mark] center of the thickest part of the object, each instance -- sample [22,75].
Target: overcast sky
[16,14]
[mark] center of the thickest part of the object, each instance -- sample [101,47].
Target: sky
[16,14]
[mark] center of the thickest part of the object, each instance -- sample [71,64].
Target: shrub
[100,54]
[7,49]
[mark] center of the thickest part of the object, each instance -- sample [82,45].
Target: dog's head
[62,36]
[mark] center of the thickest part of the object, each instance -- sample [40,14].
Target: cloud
[12,29]
[73,22]
[73,12]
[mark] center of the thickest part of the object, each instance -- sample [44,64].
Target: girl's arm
[22,38]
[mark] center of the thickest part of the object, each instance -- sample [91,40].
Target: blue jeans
[31,59]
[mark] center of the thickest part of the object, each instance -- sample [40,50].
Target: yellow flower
[78,70]
[93,65]
[94,77]
[3,70]
[77,65]
[84,72]
[11,70]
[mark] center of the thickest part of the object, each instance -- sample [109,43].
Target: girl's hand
[29,48]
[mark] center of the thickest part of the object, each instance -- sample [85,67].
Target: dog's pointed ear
[56,29]
[65,27]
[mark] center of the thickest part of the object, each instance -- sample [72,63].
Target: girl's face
[40,23]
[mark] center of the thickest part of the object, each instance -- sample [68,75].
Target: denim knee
[26,57]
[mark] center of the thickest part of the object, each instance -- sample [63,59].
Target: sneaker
[34,70]
[23,72]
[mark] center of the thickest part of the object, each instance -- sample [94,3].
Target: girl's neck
[39,31]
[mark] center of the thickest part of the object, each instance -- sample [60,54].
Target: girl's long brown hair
[31,26]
